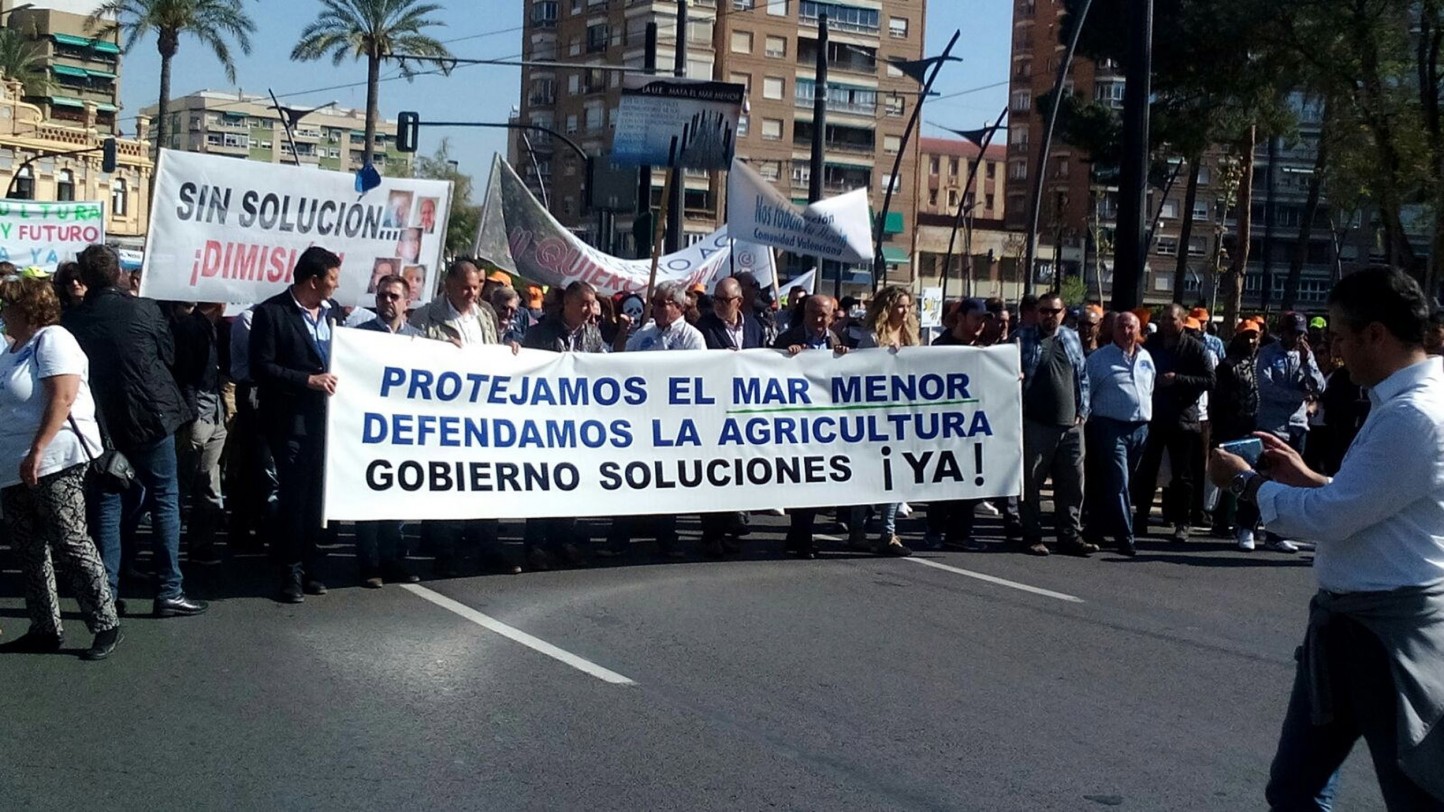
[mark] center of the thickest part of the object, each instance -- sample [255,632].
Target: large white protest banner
[838,228]
[45,234]
[223,230]
[518,234]
[420,429]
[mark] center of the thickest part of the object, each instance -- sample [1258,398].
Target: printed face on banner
[384,267]
[223,230]
[415,276]
[477,432]
[426,210]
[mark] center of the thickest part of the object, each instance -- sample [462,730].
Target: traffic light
[408,131]
[107,155]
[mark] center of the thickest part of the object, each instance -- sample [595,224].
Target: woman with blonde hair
[890,322]
[46,441]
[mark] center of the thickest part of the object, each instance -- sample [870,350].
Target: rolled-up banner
[422,429]
[517,233]
[223,230]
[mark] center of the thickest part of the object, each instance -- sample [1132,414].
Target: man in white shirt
[1120,378]
[1372,663]
[457,315]
[668,330]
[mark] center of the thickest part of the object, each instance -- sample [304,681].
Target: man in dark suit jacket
[728,324]
[727,327]
[290,355]
[811,332]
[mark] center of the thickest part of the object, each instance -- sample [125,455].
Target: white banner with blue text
[422,429]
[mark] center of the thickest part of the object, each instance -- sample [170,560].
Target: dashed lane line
[535,644]
[992,579]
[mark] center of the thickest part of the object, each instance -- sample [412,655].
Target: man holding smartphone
[1372,662]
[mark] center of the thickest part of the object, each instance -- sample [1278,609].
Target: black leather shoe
[179,606]
[1126,547]
[120,607]
[315,587]
[401,575]
[105,642]
[291,592]
[32,643]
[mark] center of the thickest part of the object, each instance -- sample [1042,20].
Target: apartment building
[247,126]
[771,47]
[982,234]
[84,71]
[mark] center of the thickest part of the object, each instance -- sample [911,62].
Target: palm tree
[212,22]
[374,29]
[21,61]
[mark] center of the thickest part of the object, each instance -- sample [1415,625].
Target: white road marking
[1047,593]
[833,539]
[492,624]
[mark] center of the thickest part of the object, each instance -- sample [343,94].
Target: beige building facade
[986,255]
[82,69]
[33,170]
[247,126]
[771,47]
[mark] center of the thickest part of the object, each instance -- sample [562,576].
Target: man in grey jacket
[458,315]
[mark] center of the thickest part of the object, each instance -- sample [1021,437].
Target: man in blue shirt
[1120,378]
[1288,378]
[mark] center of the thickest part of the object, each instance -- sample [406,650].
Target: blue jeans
[114,517]
[1116,447]
[858,520]
[1304,775]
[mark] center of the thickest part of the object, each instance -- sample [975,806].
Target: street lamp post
[914,68]
[983,138]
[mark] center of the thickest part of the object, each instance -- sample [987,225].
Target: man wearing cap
[1120,383]
[950,522]
[1288,378]
[1235,417]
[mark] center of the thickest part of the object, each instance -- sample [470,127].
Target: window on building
[953,167]
[1162,282]
[894,106]
[897,27]
[741,42]
[1018,170]
[988,201]
[777,8]
[1205,176]
[772,129]
[65,185]
[933,197]
[775,47]
[25,184]
[699,31]
[699,68]
[841,17]
[1167,247]
[741,126]
[571,124]
[952,198]
[1197,246]
[992,171]
[933,165]
[742,5]
[1022,101]
[744,79]
[1200,211]
[891,144]
[772,87]
[598,35]
[1169,210]
[119,198]
[771,170]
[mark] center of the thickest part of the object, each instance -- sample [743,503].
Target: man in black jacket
[1183,373]
[729,326]
[290,358]
[140,406]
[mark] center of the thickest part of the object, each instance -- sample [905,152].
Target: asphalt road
[849,682]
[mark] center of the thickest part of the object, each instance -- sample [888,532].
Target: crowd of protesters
[219,423]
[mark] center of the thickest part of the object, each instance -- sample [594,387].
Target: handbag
[110,470]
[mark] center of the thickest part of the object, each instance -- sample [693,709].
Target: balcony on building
[841,17]
[840,57]
[843,99]
[839,138]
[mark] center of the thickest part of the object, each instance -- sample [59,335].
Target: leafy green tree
[372,30]
[22,61]
[213,22]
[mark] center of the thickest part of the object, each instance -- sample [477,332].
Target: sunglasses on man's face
[1050,311]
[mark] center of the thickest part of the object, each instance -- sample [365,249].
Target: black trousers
[300,467]
[1183,447]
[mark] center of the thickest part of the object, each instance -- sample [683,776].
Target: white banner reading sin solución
[421,429]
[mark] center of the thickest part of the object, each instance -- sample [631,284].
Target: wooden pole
[658,231]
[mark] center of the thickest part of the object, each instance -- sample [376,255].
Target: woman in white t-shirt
[46,413]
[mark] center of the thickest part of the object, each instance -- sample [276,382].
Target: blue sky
[487,93]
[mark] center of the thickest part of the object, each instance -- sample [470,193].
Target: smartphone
[1250,449]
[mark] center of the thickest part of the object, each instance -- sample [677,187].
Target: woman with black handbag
[48,436]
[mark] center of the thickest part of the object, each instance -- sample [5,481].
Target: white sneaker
[904,510]
[1245,540]
[1281,546]
[987,509]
